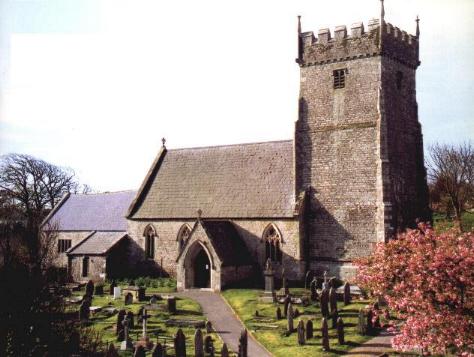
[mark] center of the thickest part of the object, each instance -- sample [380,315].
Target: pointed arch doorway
[198,267]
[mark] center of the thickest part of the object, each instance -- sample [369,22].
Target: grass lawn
[271,332]
[187,309]
[442,224]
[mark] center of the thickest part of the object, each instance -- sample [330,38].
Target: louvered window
[339,78]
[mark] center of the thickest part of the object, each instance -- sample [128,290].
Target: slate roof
[97,243]
[92,212]
[227,243]
[234,181]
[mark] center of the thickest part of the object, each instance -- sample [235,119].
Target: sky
[95,84]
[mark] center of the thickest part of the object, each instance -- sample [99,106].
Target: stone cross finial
[417,27]
[382,13]
[163,140]
[199,212]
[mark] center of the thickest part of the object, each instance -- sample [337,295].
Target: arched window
[272,239]
[183,235]
[150,236]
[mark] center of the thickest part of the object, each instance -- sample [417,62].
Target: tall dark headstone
[286,302]
[301,333]
[208,344]
[139,351]
[333,299]
[324,302]
[309,329]
[224,351]
[113,284]
[243,344]
[90,288]
[84,311]
[180,344]
[171,303]
[158,350]
[325,334]
[340,331]
[198,344]
[312,288]
[334,317]
[131,318]
[289,318]
[347,293]
[111,351]
[118,326]
[141,293]
[278,313]
[208,326]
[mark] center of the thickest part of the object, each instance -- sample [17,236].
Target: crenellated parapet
[342,45]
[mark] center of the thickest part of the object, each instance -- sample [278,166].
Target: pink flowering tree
[427,280]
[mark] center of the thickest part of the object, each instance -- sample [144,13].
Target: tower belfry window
[339,78]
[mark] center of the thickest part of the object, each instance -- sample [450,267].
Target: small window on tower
[399,80]
[339,78]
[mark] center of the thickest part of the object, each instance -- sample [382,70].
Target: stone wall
[75,237]
[97,268]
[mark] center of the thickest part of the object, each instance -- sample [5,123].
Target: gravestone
[334,317]
[171,305]
[139,351]
[90,288]
[312,288]
[153,300]
[289,318]
[309,329]
[198,344]
[325,334]
[325,280]
[224,351]
[301,335]
[243,344]
[278,313]
[285,287]
[208,344]
[347,293]
[99,289]
[361,323]
[370,325]
[111,351]
[340,331]
[324,301]
[296,313]
[269,294]
[126,343]
[131,318]
[117,292]
[333,299]
[286,302]
[180,344]
[118,326]
[128,299]
[158,350]
[208,326]
[145,340]
[113,285]
[84,311]
[141,294]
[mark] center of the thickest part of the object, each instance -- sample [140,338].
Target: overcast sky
[95,85]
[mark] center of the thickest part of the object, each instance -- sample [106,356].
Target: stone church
[352,176]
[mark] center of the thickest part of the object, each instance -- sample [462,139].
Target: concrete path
[224,321]
[375,346]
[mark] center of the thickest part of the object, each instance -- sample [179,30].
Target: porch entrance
[202,270]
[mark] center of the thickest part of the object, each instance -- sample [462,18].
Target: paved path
[375,346]
[224,321]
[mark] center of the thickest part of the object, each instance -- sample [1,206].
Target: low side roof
[93,212]
[97,243]
[234,181]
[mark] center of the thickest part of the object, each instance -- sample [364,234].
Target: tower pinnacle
[382,13]
[300,45]
[417,27]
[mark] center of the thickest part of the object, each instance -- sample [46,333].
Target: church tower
[358,141]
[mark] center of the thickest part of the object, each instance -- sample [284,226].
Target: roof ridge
[231,145]
[102,193]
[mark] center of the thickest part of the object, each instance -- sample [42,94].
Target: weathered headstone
[84,311]
[278,313]
[224,351]
[90,288]
[309,329]
[208,326]
[286,302]
[333,299]
[324,301]
[198,344]
[347,293]
[325,334]
[158,350]
[289,318]
[141,293]
[117,292]
[139,351]
[334,317]
[180,344]
[243,344]
[312,288]
[126,343]
[113,285]
[172,305]
[131,318]
[208,344]
[340,331]
[120,316]
[269,274]
[301,335]
[128,299]
[361,323]
[111,351]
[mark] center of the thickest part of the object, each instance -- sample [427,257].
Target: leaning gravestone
[340,331]
[243,344]
[289,317]
[139,351]
[224,351]
[180,344]
[325,334]
[324,301]
[84,311]
[309,329]
[198,344]
[301,335]
[128,299]
[90,288]
[347,293]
